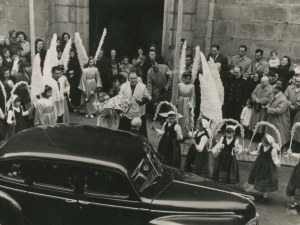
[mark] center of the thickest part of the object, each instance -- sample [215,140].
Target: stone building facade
[266,24]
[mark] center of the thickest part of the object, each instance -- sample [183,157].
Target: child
[274,62]
[264,175]
[226,167]
[15,120]
[246,116]
[293,187]
[169,150]
[109,118]
[45,109]
[186,102]
[89,82]
[197,157]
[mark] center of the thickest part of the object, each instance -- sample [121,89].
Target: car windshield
[146,172]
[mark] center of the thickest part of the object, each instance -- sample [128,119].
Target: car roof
[84,142]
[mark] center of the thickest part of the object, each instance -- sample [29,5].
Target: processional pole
[177,53]
[32,31]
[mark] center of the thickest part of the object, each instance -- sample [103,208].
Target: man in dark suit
[235,95]
[218,57]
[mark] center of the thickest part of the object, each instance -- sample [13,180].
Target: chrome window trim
[65,157]
[13,189]
[107,196]
[194,213]
[57,188]
[49,196]
[107,205]
[4,177]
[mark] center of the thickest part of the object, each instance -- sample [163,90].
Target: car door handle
[71,201]
[84,202]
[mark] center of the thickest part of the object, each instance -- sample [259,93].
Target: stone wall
[68,16]
[188,24]
[14,14]
[50,16]
[265,24]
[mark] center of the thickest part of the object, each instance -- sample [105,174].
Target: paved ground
[274,212]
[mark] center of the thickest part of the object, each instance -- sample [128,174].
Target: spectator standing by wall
[241,60]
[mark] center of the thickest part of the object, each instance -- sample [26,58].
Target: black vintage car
[76,174]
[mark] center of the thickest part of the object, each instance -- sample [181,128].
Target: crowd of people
[254,91]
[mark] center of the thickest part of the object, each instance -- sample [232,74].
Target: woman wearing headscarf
[197,157]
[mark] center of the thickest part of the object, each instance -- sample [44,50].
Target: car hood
[191,193]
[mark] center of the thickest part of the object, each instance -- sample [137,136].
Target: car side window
[17,170]
[55,175]
[104,182]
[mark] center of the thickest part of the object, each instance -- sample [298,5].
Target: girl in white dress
[186,102]
[90,81]
[45,110]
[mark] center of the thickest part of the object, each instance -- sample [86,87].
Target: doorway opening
[129,23]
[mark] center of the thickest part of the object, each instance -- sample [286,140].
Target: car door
[52,194]
[109,197]
[13,175]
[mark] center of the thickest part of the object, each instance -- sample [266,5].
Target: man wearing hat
[278,114]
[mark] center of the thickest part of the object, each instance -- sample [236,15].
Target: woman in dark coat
[284,73]
[74,75]
[65,37]
[251,85]
[7,61]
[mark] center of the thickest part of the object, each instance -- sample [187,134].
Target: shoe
[91,116]
[262,200]
[293,206]
[87,115]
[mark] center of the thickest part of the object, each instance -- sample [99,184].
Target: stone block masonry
[265,24]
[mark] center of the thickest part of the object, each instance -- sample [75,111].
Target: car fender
[199,220]
[11,211]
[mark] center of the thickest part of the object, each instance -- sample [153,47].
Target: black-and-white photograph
[149,112]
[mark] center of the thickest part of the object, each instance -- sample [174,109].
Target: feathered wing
[210,104]
[51,58]
[37,82]
[196,64]
[101,43]
[65,57]
[182,61]
[82,55]
[216,76]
